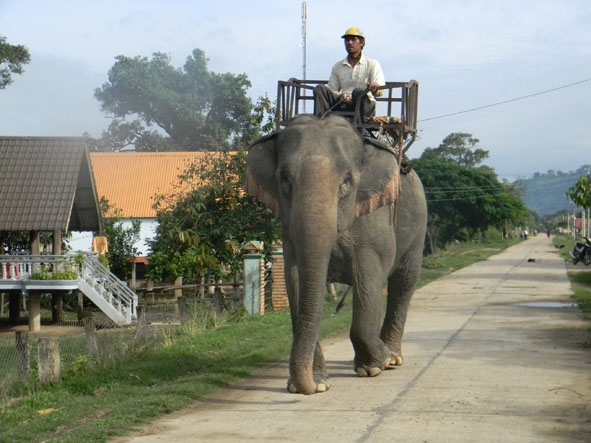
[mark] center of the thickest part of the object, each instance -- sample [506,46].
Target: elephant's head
[318,176]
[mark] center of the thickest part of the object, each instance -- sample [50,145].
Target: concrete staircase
[107,292]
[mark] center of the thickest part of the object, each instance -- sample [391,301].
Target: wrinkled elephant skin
[350,216]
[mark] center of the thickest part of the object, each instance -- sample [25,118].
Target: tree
[580,192]
[12,59]
[206,221]
[464,200]
[459,148]
[197,109]
[131,135]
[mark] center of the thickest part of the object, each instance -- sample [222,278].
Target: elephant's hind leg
[401,286]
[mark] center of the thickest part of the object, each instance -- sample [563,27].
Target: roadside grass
[580,279]
[184,365]
[581,285]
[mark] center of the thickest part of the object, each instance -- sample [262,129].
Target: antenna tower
[304,17]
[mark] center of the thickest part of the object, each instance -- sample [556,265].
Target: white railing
[107,286]
[82,271]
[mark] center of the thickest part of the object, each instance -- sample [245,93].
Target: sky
[514,74]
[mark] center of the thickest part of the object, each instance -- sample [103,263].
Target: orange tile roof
[130,180]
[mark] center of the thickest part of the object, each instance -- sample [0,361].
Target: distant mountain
[546,193]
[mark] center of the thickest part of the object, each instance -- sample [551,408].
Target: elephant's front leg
[372,356]
[304,378]
[319,370]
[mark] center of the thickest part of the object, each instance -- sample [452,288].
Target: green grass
[581,285]
[188,364]
[580,278]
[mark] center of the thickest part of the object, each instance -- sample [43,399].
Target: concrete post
[49,361]
[91,338]
[254,291]
[34,311]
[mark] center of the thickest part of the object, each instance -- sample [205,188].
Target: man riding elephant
[356,77]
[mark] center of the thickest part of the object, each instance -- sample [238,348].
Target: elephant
[348,215]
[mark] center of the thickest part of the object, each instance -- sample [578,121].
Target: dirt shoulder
[495,352]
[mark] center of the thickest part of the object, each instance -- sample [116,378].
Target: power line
[506,101]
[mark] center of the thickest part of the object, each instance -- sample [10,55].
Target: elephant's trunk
[314,225]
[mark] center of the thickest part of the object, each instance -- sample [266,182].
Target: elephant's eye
[346,186]
[285,184]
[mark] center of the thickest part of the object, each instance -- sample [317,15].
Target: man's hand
[374,88]
[346,98]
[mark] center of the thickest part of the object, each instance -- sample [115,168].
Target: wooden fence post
[182,306]
[178,293]
[218,302]
[49,361]
[23,354]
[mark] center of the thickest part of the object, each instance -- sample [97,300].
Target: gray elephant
[350,216]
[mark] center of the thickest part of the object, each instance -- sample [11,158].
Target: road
[495,352]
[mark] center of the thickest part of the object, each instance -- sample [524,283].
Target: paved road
[489,357]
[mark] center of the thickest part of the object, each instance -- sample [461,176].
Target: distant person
[357,77]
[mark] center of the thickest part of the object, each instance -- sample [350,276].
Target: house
[47,185]
[130,181]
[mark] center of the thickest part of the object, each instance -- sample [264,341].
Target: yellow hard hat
[354,32]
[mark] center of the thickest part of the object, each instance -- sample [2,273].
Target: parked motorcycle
[582,252]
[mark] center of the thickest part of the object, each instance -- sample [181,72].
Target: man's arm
[376,79]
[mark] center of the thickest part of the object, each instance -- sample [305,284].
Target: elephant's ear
[261,163]
[380,178]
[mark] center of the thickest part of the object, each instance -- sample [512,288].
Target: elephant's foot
[396,360]
[372,371]
[322,385]
[395,350]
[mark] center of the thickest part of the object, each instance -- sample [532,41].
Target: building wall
[82,241]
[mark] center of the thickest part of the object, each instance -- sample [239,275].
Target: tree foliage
[188,108]
[580,192]
[460,148]
[12,60]
[206,221]
[464,200]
